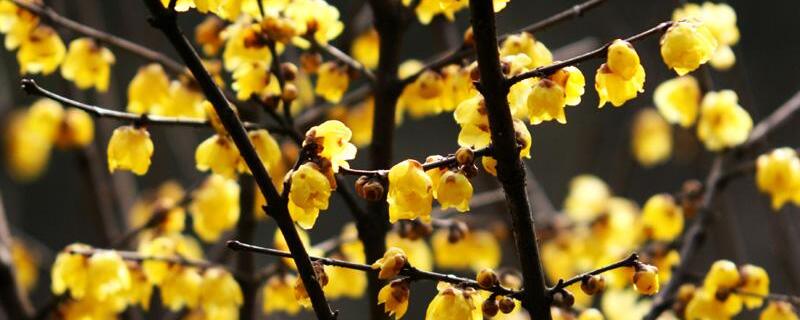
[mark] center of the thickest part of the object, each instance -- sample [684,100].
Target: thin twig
[137,49]
[630,261]
[408,271]
[344,58]
[136,257]
[31,87]
[465,51]
[444,162]
[601,52]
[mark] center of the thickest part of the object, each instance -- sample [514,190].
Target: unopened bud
[310,62]
[593,284]
[465,156]
[289,92]
[487,279]
[289,71]
[469,38]
[490,307]
[507,305]
[563,298]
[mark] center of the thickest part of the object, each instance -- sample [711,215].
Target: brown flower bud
[507,305]
[373,190]
[469,38]
[465,156]
[360,182]
[593,284]
[289,71]
[563,298]
[487,279]
[457,232]
[490,307]
[290,92]
[686,292]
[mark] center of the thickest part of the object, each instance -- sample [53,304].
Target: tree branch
[466,51]
[344,58]
[276,205]
[510,170]
[408,271]
[601,52]
[32,88]
[137,49]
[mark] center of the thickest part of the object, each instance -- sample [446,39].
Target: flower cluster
[726,289]
[778,174]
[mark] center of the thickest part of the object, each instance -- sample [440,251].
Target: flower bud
[593,284]
[465,156]
[289,71]
[469,38]
[289,92]
[563,298]
[507,305]
[310,62]
[645,279]
[490,307]
[487,279]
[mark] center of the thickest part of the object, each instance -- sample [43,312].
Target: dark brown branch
[31,87]
[104,215]
[630,261]
[446,161]
[465,52]
[245,262]
[344,58]
[510,170]
[601,52]
[794,300]
[778,118]
[276,207]
[137,49]
[408,271]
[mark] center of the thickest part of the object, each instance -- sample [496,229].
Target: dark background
[55,209]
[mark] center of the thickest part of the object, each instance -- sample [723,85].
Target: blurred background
[56,209]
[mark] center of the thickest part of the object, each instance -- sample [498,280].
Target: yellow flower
[490,165]
[209,35]
[778,310]
[69,272]
[279,295]
[651,138]
[183,101]
[454,190]
[333,137]
[219,154]
[87,64]
[722,275]
[645,280]
[678,100]
[345,282]
[141,290]
[165,198]
[394,297]
[309,193]
[366,48]
[30,136]
[417,252]
[471,116]
[108,276]
[86,309]
[755,280]
[255,79]
[662,218]
[778,174]
[526,44]
[76,130]
[452,303]
[244,46]
[410,192]
[587,198]
[425,96]
[220,294]
[723,122]
[182,288]
[130,148]
[41,51]
[25,265]
[591,314]
[427,9]
[317,17]
[392,262]
[705,305]
[180,5]
[477,250]
[173,245]
[358,118]
[720,19]
[16,24]
[622,77]
[686,45]
[267,149]
[624,305]
[332,81]
[215,207]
